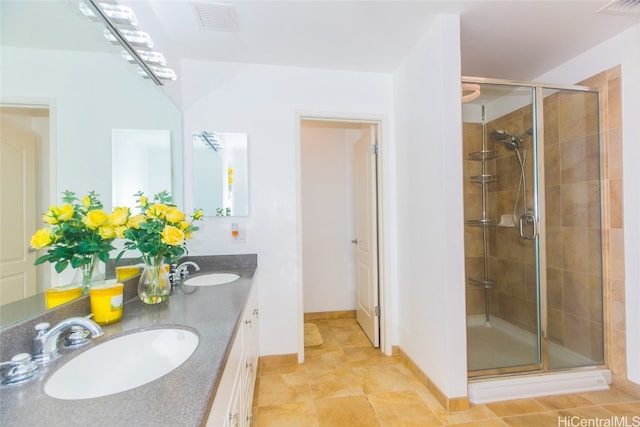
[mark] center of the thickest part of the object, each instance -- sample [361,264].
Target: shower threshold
[503,344]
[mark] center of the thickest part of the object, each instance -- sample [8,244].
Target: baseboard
[527,386]
[330,315]
[451,404]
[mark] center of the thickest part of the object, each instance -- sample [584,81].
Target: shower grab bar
[528,219]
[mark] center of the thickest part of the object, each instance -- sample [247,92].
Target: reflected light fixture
[134,42]
[209,139]
[470,91]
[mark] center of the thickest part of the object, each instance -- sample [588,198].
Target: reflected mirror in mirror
[56,62]
[220,180]
[141,161]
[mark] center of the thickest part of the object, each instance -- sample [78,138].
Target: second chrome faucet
[45,344]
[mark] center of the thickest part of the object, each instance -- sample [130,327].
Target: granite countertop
[181,398]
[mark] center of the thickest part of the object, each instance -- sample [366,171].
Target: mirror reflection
[220,180]
[68,88]
[141,161]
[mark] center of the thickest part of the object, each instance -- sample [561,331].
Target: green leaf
[61,265]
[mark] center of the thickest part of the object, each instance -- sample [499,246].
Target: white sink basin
[122,363]
[211,279]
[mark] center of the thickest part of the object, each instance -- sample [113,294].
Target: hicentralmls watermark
[613,421]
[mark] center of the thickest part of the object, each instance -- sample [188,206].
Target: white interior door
[17,212]
[365,172]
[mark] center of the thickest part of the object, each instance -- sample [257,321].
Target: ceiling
[517,39]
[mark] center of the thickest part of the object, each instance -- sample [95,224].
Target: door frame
[384,293]
[49,156]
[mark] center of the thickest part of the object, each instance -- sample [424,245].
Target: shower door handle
[528,226]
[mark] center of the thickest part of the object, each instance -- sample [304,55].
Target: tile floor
[346,383]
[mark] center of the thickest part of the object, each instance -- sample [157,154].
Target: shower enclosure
[533,239]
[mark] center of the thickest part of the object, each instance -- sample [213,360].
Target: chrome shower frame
[539,205]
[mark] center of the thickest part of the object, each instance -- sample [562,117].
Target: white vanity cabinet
[232,405]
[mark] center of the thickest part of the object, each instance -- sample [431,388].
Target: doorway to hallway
[340,226]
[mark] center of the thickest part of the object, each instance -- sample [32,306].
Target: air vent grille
[216,16]
[622,7]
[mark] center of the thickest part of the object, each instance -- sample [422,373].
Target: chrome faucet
[181,272]
[45,344]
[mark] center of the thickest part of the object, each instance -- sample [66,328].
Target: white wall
[328,222]
[266,102]
[431,308]
[623,49]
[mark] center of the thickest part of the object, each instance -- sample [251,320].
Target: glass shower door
[501,242]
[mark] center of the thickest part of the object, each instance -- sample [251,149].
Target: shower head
[508,139]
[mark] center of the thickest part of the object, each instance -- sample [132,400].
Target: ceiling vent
[622,7]
[215,16]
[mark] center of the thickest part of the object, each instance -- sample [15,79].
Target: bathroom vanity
[213,387]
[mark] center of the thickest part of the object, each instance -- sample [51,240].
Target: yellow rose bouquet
[159,232]
[80,234]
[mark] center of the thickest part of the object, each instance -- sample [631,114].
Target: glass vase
[87,274]
[154,286]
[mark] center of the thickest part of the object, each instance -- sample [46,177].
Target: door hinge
[374,149]
[376,310]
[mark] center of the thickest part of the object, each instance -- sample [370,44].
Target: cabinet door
[228,390]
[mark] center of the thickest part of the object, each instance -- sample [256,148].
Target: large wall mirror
[62,83]
[220,173]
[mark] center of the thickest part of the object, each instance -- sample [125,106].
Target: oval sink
[122,363]
[211,279]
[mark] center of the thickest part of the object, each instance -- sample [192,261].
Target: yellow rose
[64,212]
[86,201]
[42,238]
[119,230]
[119,216]
[107,232]
[197,214]
[95,219]
[158,210]
[136,220]
[172,236]
[58,214]
[144,201]
[174,215]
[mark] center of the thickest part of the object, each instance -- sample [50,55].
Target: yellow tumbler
[58,296]
[106,303]
[125,272]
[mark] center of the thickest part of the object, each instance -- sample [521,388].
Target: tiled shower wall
[573,234]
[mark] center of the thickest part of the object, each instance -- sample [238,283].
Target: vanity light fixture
[139,38]
[115,12]
[113,16]
[209,139]
[148,56]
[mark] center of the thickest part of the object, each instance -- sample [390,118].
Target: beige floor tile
[334,383]
[380,379]
[347,383]
[613,395]
[563,401]
[515,407]
[288,415]
[282,389]
[476,413]
[403,408]
[352,411]
[491,422]
[330,359]
[629,409]
[546,419]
